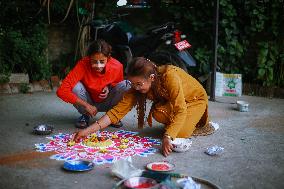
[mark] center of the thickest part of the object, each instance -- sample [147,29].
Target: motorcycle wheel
[167,58]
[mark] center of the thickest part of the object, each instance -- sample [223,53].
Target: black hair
[99,46]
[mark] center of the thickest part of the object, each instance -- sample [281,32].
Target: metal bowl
[140,182]
[43,129]
[78,165]
[242,106]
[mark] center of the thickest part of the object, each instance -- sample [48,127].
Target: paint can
[242,106]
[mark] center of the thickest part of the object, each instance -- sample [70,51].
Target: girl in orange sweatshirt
[95,84]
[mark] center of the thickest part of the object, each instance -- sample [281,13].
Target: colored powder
[113,149]
[144,185]
[160,167]
[77,166]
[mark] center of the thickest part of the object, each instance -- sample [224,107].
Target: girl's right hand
[167,146]
[80,135]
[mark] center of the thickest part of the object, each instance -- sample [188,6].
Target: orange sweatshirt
[93,81]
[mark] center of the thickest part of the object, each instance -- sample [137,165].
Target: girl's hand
[104,93]
[80,135]
[167,146]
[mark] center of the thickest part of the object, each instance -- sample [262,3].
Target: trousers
[114,96]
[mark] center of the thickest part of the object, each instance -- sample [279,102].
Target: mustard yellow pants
[197,116]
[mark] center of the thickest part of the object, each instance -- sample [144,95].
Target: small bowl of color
[141,183]
[242,106]
[181,144]
[78,165]
[43,129]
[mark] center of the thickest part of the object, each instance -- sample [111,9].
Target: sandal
[82,122]
[117,125]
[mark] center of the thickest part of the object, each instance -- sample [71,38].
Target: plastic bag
[124,169]
[214,150]
[188,183]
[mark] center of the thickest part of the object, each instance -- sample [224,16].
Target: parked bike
[163,44]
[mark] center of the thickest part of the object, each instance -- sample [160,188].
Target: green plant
[23,40]
[22,52]
[203,55]
[244,28]
[267,57]
[4,79]
[24,88]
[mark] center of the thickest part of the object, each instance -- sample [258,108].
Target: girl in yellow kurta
[179,102]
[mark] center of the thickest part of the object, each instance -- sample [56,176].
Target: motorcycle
[163,44]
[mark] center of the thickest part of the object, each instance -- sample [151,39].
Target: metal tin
[243,106]
[43,129]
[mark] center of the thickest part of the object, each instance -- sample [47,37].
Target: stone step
[20,82]
[19,78]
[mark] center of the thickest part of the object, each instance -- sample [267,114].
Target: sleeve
[119,75]
[75,75]
[123,107]
[174,87]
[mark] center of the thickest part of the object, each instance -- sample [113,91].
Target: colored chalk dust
[120,145]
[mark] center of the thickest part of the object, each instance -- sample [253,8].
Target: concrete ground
[253,143]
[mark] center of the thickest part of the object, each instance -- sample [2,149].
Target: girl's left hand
[167,146]
[104,93]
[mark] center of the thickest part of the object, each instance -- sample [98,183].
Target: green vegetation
[23,40]
[24,88]
[251,39]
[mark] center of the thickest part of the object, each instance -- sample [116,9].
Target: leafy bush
[251,34]
[251,37]
[23,40]
[24,88]
[4,79]
[21,53]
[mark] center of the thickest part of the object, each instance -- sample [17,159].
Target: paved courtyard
[253,145]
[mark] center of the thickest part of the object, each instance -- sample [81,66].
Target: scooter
[163,44]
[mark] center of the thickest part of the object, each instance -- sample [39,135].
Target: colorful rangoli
[104,147]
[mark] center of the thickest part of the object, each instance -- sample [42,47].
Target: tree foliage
[23,40]
[251,40]
[251,36]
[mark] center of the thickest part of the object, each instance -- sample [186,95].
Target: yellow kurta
[184,108]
